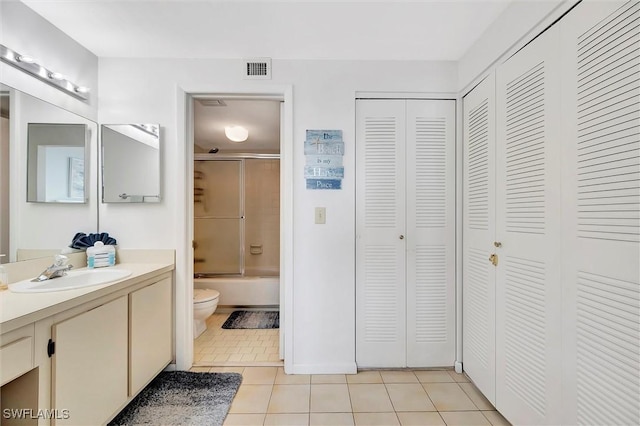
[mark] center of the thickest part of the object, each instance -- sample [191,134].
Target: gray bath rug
[253,319]
[182,398]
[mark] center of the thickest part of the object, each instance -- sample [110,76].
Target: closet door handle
[401,237]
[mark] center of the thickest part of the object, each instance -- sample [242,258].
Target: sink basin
[73,280]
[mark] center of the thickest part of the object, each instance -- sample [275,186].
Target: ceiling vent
[257,69]
[212,102]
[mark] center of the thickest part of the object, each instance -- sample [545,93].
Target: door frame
[184,212]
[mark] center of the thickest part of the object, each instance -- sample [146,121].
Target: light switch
[321,215]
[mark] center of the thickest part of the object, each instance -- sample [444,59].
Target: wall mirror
[44,225]
[130,163]
[56,162]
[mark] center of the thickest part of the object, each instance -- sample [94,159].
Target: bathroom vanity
[80,356]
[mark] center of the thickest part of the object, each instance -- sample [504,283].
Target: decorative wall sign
[324,150]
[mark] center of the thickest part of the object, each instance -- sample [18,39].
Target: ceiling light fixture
[236,133]
[28,65]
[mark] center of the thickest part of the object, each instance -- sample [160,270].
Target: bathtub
[243,291]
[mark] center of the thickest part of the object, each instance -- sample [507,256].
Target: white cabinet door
[601,213]
[151,333]
[89,367]
[430,169]
[479,335]
[380,234]
[528,202]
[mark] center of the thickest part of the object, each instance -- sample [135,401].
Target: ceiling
[293,29]
[290,29]
[260,117]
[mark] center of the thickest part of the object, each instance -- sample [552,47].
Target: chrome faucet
[59,268]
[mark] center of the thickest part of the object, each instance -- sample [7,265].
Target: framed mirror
[130,163]
[56,161]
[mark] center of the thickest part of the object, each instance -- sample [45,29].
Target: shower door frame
[241,157]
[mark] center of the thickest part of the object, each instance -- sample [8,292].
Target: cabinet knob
[497,244]
[401,237]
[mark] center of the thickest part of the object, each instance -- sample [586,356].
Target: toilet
[205,302]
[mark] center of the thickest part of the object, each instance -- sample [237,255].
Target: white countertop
[18,309]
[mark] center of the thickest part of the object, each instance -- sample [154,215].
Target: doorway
[236,219]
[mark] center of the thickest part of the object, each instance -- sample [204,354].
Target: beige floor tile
[409,397]
[398,377]
[291,379]
[448,397]
[238,370]
[476,396]
[464,418]
[251,399]
[328,378]
[369,398]
[365,377]
[331,398]
[289,399]
[248,357]
[244,420]
[259,375]
[331,419]
[420,419]
[496,418]
[460,378]
[287,419]
[200,369]
[375,419]
[434,376]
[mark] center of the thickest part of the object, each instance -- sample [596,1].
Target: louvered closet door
[380,222]
[479,235]
[528,282]
[430,233]
[601,192]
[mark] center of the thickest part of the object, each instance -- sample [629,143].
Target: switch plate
[321,215]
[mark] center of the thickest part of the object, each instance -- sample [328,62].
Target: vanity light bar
[30,66]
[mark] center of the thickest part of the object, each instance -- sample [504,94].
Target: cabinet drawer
[16,358]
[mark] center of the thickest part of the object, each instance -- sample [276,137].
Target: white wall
[144,91]
[26,32]
[514,26]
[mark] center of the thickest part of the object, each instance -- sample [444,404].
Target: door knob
[494,259]
[401,237]
[497,244]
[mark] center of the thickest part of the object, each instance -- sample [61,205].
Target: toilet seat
[202,295]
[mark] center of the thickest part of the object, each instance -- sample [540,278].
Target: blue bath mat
[252,320]
[182,398]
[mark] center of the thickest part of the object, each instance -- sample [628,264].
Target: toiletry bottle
[4,276]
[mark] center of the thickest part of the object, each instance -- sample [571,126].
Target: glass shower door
[219,217]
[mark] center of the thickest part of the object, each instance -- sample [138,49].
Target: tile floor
[220,347]
[267,396]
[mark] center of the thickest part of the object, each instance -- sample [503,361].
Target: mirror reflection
[130,163]
[56,163]
[31,227]
[5,115]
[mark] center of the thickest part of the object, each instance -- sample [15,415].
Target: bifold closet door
[601,213]
[405,194]
[380,234]
[479,274]
[430,233]
[528,227]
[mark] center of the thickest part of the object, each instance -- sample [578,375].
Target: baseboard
[349,368]
[458,367]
